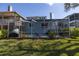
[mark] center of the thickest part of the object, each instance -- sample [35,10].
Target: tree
[68,6]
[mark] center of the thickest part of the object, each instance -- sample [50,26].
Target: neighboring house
[11,20]
[73,20]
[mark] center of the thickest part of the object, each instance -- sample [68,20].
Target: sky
[39,9]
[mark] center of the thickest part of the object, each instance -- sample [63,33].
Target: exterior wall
[59,25]
[37,29]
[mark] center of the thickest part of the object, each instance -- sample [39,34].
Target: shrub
[74,32]
[51,34]
[65,32]
[3,33]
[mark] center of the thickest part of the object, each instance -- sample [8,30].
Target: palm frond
[68,6]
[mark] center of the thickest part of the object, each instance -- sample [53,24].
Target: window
[66,25]
[76,16]
[6,17]
[11,26]
[71,17]
[29,24]
[44,25]
[72,24]
[0,26]
[60,24]
[5,27]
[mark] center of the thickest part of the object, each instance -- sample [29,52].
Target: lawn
[40,47]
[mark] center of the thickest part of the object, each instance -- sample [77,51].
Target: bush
[51,34]
[65,32]
[74,33]
[3,33]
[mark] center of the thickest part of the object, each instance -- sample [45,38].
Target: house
[11,20]
[35,26]
[39,27]
[73,20]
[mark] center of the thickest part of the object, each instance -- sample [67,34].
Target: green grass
[63,46]
[63,54]
[77,54]
[25,47]
[72,47]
